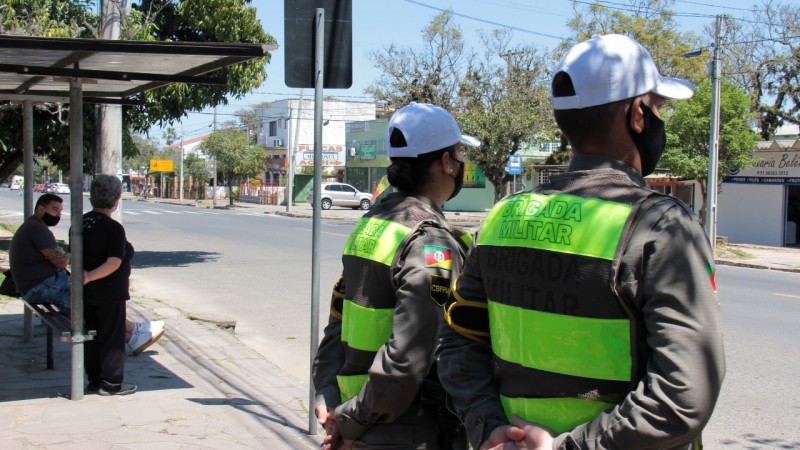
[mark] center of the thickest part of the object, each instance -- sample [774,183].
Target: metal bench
[57,321]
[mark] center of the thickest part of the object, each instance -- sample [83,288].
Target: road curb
[723,262]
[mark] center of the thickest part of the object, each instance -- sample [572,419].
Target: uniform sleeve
[329,359]
[421,276]
[465,365]
[669,270]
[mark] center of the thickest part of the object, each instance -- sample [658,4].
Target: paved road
[758,407]
[255,268]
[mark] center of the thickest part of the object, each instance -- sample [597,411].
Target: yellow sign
[162,165]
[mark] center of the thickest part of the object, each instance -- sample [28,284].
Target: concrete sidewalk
[199,387]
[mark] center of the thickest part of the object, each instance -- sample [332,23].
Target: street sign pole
[319,58]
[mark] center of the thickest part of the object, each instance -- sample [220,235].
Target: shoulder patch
[439,257]
[440,289]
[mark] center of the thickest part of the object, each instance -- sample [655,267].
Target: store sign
[162,165]
[366,151]
[357,127]
[473,177]
[772,167]
[332,155]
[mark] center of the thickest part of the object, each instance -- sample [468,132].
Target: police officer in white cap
[586,314]
[374,374]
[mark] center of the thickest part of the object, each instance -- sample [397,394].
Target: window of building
[273,128]
[544,175]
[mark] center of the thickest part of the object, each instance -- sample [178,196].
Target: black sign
[299,36]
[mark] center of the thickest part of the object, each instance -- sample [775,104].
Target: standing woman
[376,382]
[107,265]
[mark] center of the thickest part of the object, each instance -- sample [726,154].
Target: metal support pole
[713,144]
[319,65]
[27,158]
[76,232]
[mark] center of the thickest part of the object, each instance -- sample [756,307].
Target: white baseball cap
[426,128]
[610,68]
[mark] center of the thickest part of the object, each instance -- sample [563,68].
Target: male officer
[586,313]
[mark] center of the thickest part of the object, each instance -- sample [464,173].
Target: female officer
[374,374]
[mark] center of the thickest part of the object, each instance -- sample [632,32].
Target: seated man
[39,268]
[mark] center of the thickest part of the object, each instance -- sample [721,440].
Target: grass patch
[729,252]
[12,227]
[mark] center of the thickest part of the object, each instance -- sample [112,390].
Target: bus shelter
[78,71]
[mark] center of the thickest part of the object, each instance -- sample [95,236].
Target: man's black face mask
[651,141]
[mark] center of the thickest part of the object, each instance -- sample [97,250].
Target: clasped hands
[521,434]
[327,418]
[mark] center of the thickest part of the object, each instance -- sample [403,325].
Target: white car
[340,194]
[59,188]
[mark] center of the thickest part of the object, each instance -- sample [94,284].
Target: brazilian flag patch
[439,257]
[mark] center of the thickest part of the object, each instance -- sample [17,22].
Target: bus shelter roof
[111,71]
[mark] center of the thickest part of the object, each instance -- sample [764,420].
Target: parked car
[16,182]
[59,188]
[340,194]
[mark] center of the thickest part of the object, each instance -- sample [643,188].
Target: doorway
[792,235]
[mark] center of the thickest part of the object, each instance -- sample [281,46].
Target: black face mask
[50,220]
[459,179]
[651,141]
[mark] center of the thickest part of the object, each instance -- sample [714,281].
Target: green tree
[430,75]
[196,168]
[688,134]
[761,54]
[52,18]
[501,98]
[651,23]
[237,158]
[161,20]
[199,21]
[505,104]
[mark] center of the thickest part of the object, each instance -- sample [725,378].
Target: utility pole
[109,120]
[713,144]
[180,186]
[292,149]
[214,189]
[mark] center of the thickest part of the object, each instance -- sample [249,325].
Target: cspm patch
[440,289]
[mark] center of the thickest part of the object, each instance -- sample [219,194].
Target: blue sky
[380,23]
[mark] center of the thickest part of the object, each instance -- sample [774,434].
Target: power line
[478,19]
[712,6]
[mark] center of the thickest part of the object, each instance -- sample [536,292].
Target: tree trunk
[704,191]
[230,190]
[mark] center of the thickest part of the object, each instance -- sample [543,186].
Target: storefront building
[761,205]
[367,161]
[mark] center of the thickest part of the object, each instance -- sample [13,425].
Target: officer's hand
[536,437]
[326,418]
[503,438]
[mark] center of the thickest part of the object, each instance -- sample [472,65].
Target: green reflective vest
[367,321]
[368,307]
[561,339]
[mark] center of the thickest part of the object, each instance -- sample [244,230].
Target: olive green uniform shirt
[666,272]
[402,364]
